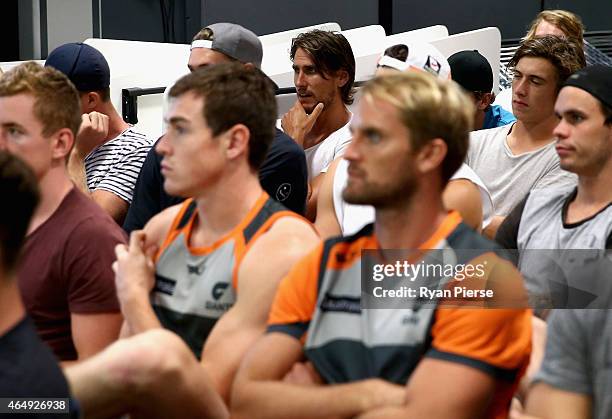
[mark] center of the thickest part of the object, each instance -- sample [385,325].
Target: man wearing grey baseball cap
[231,40]
[283,174]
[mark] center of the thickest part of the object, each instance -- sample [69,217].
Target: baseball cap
[234,41]
[84,65]
[596,80]
[421,56]
[472,71]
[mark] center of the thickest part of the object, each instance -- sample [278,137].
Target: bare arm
[151,375]
[313,195]
[93,332]
[565,380]
[467,393]
[547,402]
[464,196]
[288,241]
[113,205]
[326,221]
[135,271]
[76,171]
[491,230]
[260,393]
[92,133]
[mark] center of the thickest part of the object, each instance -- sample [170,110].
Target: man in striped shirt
[108,153]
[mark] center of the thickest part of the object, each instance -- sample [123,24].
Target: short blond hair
[567,22]
[429,108]
[56,100]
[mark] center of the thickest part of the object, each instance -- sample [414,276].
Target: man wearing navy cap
[108,153]
[575,377]
[472,71]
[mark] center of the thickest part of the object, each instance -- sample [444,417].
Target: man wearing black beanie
[576,365]
[472,71]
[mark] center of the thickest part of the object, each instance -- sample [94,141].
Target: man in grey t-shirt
[512,160]
[575,379]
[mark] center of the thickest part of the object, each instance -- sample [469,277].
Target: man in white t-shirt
[324,73]
[465,192]
[515,159]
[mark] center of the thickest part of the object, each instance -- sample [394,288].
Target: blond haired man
[411,137]
[66,279]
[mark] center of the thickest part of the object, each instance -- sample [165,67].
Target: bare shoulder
[157,228]
[292,228]
[289,238]
[463,185]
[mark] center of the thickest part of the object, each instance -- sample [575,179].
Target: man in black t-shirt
[27,366]
[283,174]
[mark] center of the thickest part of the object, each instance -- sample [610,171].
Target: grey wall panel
[264,17]
[596,14]
[68,21]
[511,17]
[136,20]
[141,20]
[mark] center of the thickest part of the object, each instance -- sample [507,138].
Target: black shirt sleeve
[284,174]
[507,234]
[149,196]
[609,242]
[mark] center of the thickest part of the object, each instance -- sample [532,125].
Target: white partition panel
[287,36]
[141,64]
[366,64]
[423,35]
[151,64]
[7,65]
[487,41]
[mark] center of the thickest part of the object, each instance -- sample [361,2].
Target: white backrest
[144,65]
[366,64]
[152,64]
[486,40]
[422,35]
[287,36]
[7,65]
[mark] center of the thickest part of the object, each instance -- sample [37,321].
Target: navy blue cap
[84,65]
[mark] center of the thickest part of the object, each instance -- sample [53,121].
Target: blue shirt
[497,116]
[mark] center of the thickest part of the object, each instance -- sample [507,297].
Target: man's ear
[91,101]
[62,142]
[431,155]
[343,77]
[485,101]
[237,141]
